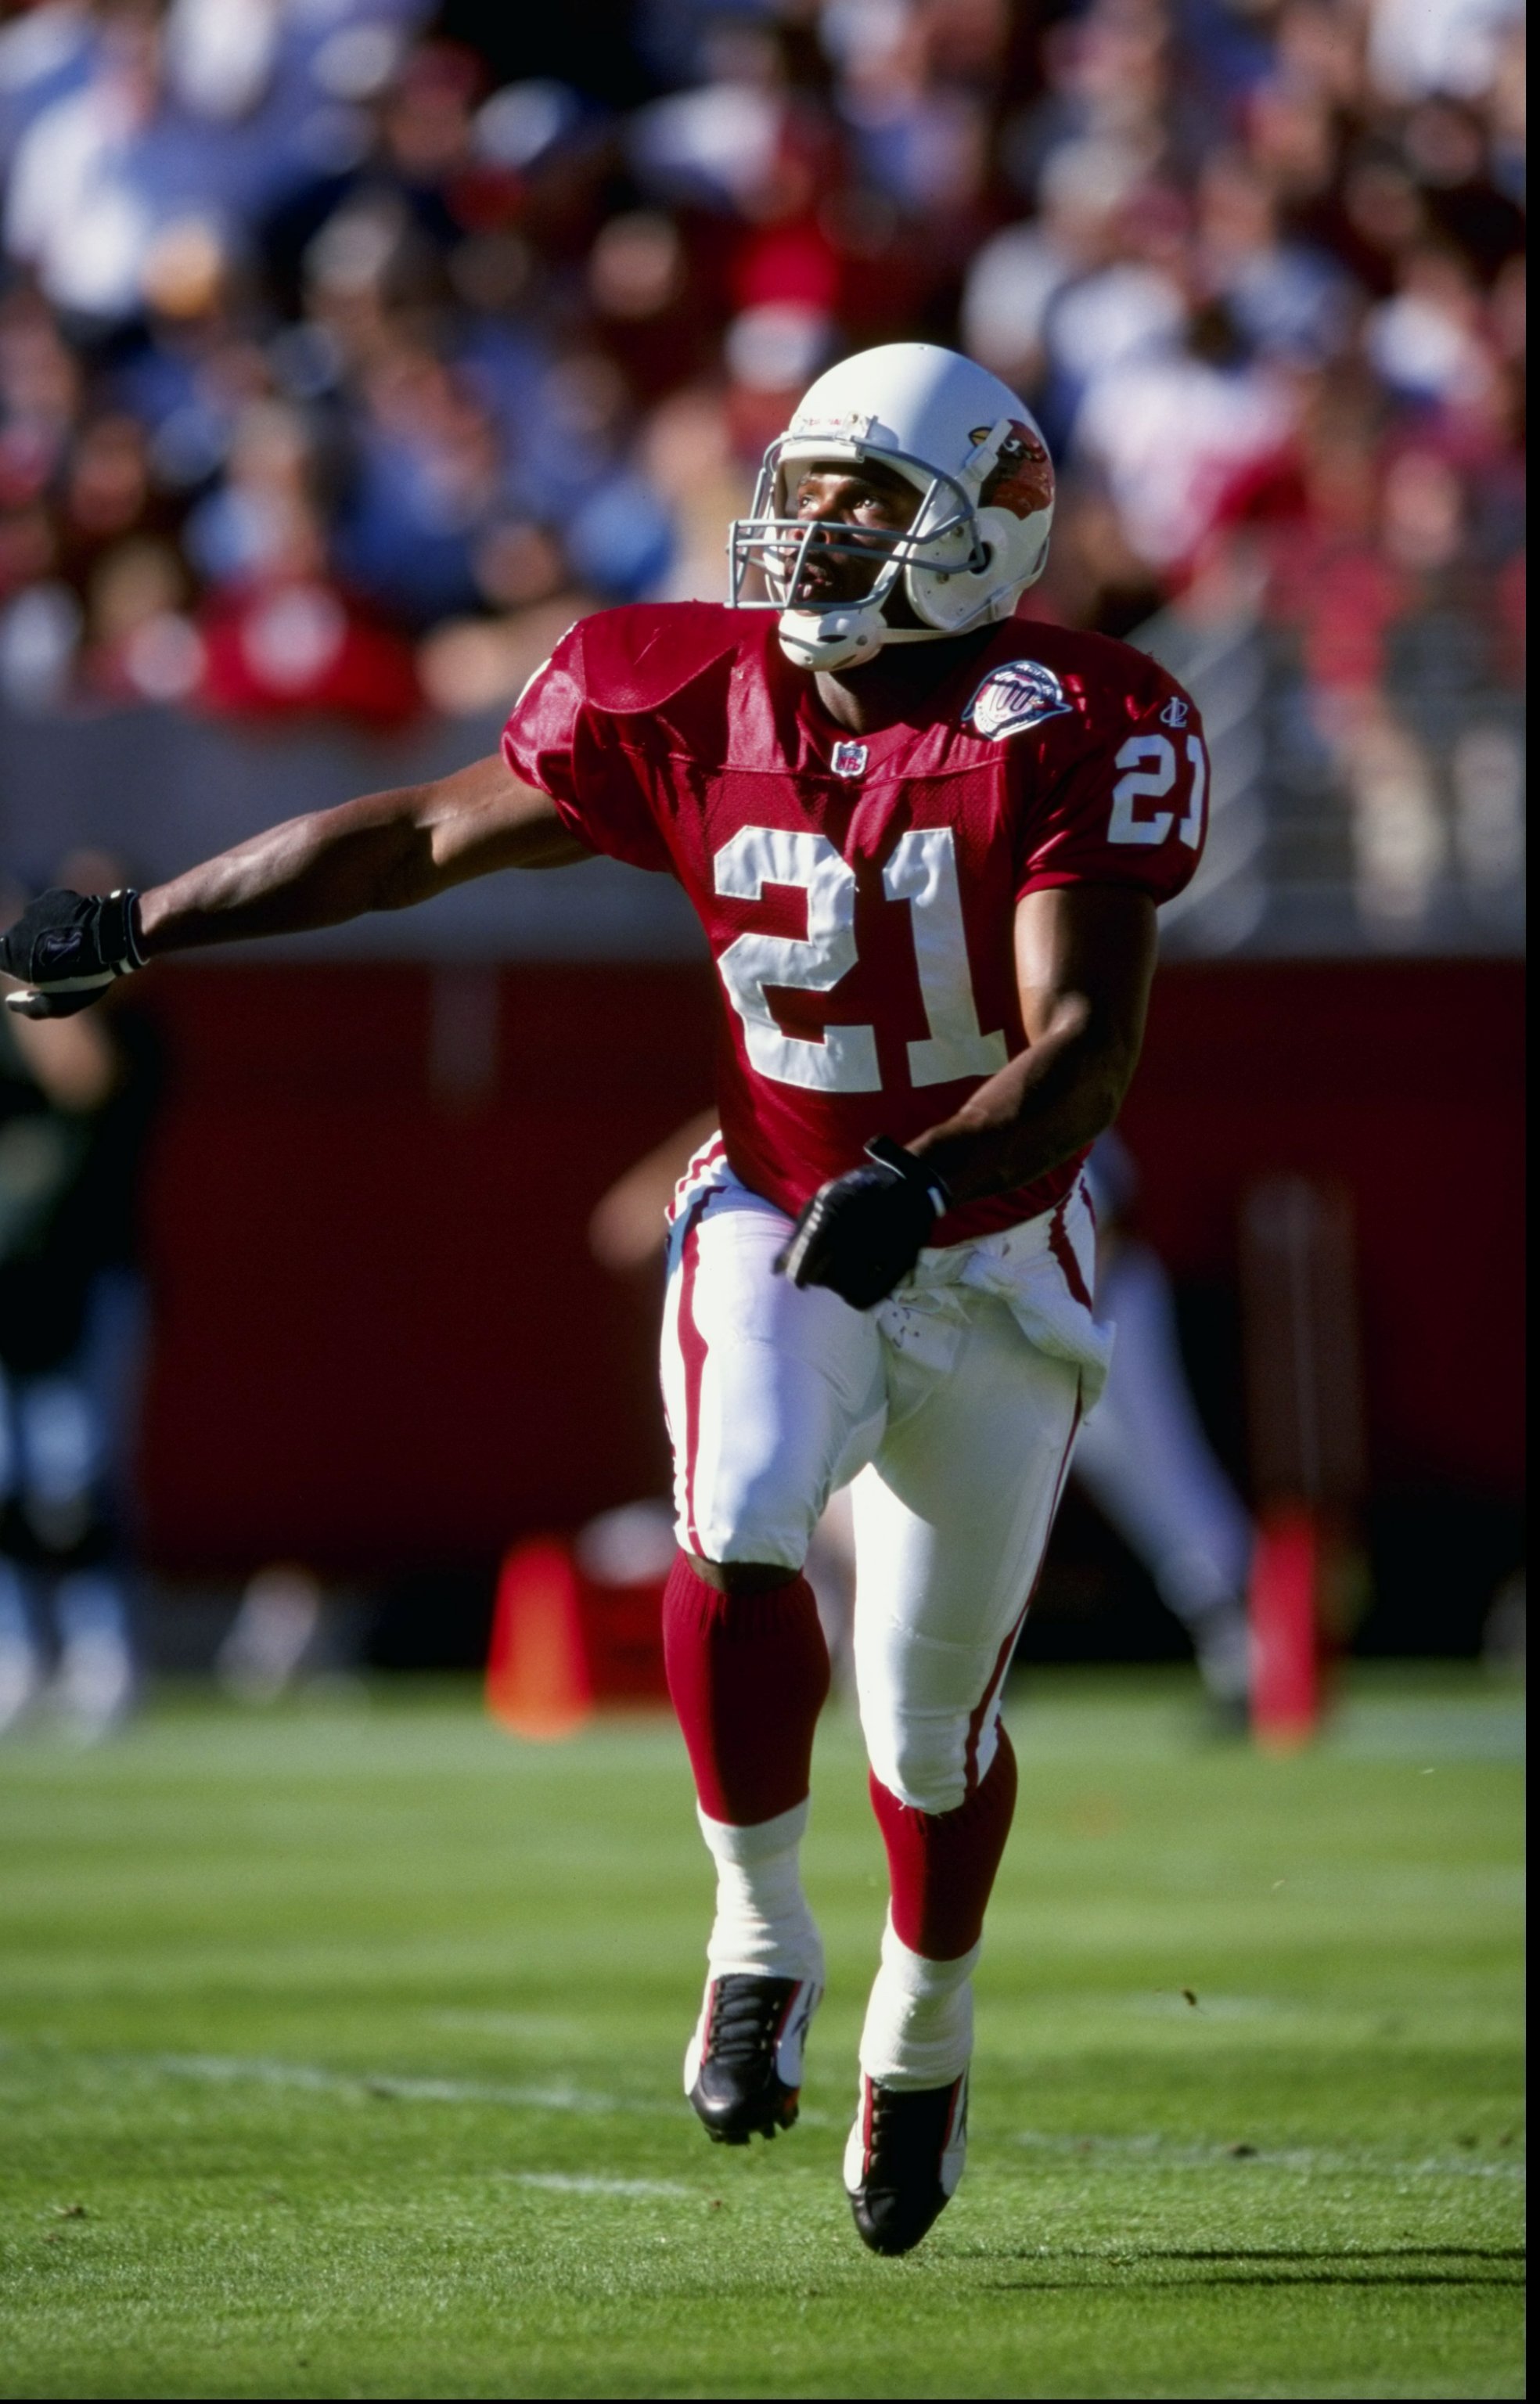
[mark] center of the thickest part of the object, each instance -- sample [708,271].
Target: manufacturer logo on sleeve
[1011,698]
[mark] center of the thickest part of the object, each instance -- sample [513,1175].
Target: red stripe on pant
[1002,1658]
[1064,1253]
[688,1190]
[693,1352]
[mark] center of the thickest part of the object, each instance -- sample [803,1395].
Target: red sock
[942,1864]
[749,1675]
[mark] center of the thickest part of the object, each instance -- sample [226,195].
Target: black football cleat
[903,2160]
[743,2068]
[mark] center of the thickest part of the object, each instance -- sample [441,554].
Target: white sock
[919,2022]
[763,1923]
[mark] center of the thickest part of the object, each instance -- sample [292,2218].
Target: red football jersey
[858,893]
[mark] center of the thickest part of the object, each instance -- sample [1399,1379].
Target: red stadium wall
[1405,1080]
[381,1341]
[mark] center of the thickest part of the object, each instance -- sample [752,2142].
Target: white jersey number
[922,871]
[843,1060]
[1150,762]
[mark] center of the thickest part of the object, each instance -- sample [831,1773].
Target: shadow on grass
[1281,2266]
[1329,2254]
[1468,2281]
[1218,2254]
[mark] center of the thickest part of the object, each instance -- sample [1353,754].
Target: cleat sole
[775,2117]
[891,2242]
[768,2130]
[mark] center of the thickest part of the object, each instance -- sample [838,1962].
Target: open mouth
[836,575]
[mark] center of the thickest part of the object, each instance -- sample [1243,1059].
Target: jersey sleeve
[1122,802]
[562,740]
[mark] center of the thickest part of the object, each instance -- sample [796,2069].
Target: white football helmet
[979,536]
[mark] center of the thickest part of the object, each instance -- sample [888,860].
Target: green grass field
[339,2056]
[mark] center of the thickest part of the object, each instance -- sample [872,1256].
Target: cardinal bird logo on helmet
[1024,480]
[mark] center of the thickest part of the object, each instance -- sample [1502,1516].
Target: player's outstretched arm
[383,852]
[1084,955]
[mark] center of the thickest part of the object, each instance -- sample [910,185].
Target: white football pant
[954,1406]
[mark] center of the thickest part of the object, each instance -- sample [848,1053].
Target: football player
[927,841]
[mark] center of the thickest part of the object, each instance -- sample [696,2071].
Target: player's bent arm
[1084,957]
[383,852]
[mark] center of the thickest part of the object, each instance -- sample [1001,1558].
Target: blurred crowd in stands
[349,348]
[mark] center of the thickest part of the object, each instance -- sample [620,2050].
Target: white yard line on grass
[570,2182]
[220,2068]
[258,2070]
[223,2068]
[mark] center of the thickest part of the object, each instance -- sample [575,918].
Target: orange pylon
[538,1683]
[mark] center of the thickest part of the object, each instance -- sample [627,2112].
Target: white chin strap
[846,637]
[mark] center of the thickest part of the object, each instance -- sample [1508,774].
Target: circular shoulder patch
[1011,698]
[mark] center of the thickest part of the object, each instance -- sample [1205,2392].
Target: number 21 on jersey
[921,872]
[1148,766]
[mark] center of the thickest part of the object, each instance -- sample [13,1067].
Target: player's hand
[67,948]
[864,1230]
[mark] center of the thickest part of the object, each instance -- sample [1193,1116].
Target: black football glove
[862,1232]
[67,948]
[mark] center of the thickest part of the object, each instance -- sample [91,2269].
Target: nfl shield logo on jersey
[1021,694]
[849,760]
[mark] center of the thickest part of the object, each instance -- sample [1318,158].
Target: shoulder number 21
[1149,762]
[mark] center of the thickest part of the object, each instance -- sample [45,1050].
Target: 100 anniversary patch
[1011,698]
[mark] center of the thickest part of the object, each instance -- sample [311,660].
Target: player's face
[862,507]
